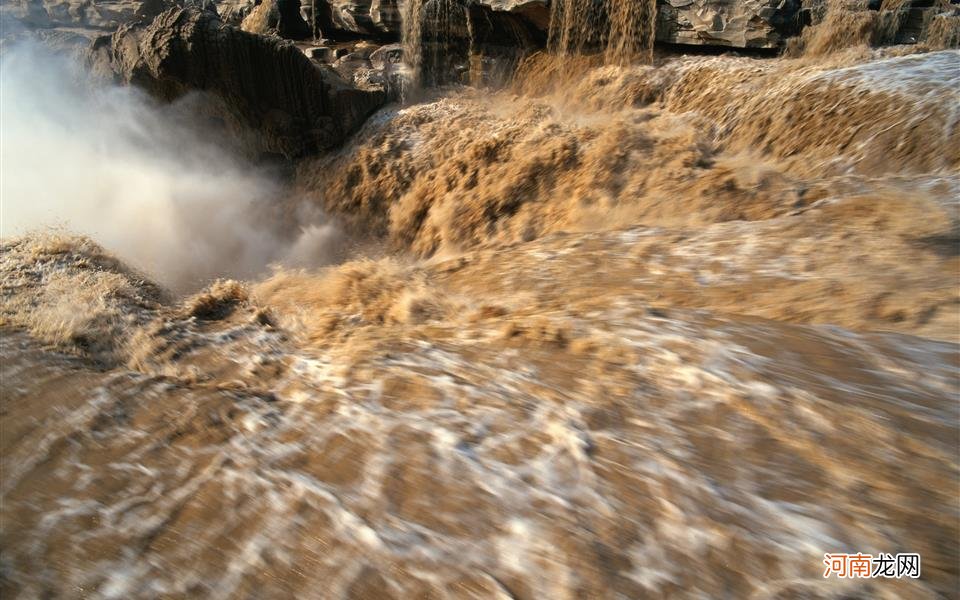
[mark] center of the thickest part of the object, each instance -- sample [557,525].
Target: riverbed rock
[266,92]
[322,54]
[277,17]
[365,17]
[391,54]
[734,23]
[384,17]
[93,14]
[234,11]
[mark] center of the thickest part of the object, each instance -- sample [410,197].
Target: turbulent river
[614,331]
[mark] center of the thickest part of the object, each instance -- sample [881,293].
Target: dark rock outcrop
[90,14]
[384,17]
[734,23]
[233,11]
[264,90]
[277,17]
[461,41]
[391,54]
[363,17]
[498,41]
[537,12]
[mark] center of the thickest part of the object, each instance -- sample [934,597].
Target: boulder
[384,17]
[734,23]
[370,67]
[280,17]
[536,12]
[391,54]
[265,91]
[364,17]
[349,64]
[106,15]
[262,19]
[320,53]
[234,11]
[91,14]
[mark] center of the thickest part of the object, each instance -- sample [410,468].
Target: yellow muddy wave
[667,331]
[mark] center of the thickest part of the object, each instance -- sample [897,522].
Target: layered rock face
[234,11]
[736,23]
[266,92]
[98,14]
[282,17]
[371,17]
[385,16]
[733,23]
[366,17]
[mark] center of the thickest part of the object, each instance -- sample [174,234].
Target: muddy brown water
[674,333]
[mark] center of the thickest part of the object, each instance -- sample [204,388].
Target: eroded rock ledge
[735,23]
[263,89]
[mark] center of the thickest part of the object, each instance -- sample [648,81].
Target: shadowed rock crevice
[266,92]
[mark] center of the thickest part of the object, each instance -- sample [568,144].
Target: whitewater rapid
[674,333]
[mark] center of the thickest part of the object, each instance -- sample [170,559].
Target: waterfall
[431,32]
[622,30]
[436,38]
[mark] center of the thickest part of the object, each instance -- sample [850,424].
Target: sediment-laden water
[616,331]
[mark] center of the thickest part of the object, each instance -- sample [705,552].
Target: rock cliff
[736,23]
[264,90]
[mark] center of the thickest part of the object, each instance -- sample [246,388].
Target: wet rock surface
[368,17]
[267,91]
[103,14]
[508,27]
[735,23]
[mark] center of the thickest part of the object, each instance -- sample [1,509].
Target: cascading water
[622,30]
[430,30]
[843,24]
[412,40]
[435,34]
[632,31]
